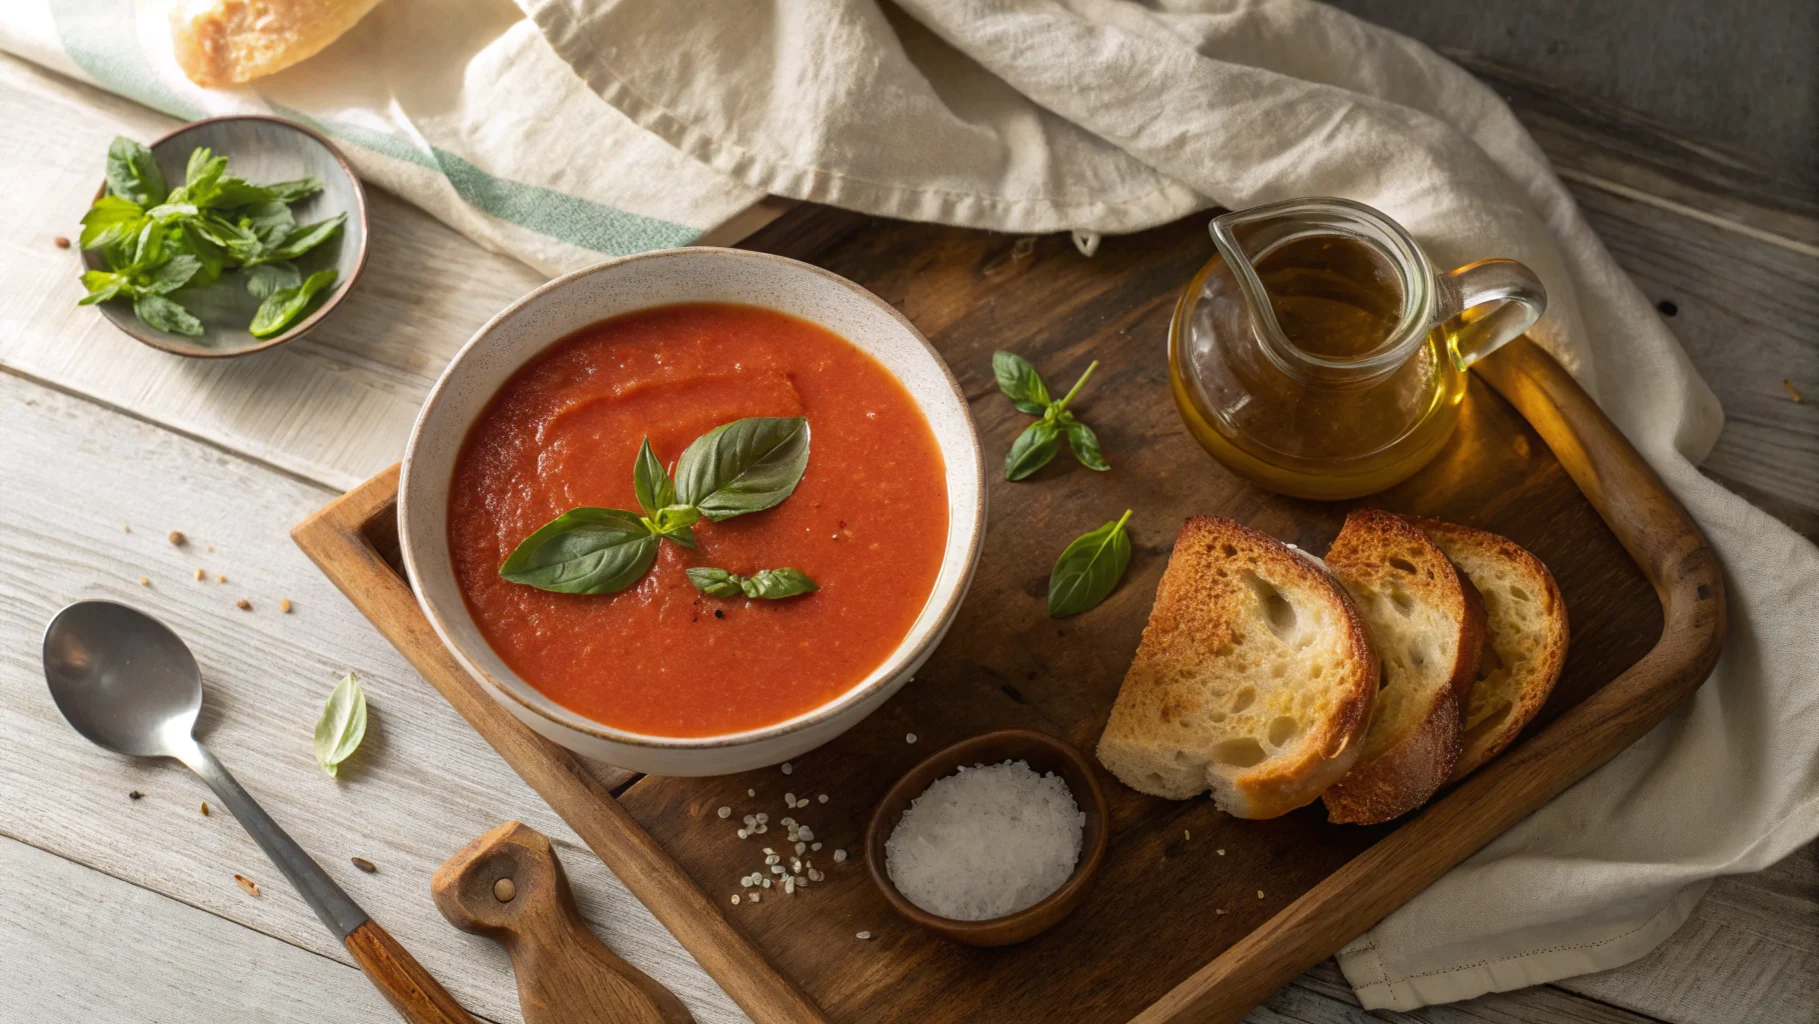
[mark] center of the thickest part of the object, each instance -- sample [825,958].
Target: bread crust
[1408,759]
[1199,600]
[1527,691]
[228,42]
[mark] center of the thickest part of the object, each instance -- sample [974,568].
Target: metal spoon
[127,683]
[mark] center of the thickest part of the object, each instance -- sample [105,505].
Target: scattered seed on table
[128,527]
[1219,910]
[244,605]
[751,792]
[365,865]
[1259,893]
[1220,851]
[200,575]
[251,887]
[1792,390]
[145,581]
[735,899]
[135,795]
[178,538]
[205,808]
[284,605]
[221,577]
[60,242]
[725,812]
[1185,834]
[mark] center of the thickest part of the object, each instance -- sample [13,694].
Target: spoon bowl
[122,679]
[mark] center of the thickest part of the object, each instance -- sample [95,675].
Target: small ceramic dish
[260,150]
[1044,753]
[568,304]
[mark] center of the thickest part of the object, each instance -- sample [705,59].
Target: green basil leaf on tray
[765,584]
[148,248]
[284,307]
[166,315]
[342,725]
[230,193]
[744,466]
[266,278]
[302,239]
[584,551]
[294,191]
[172,274]
[1083,443]
[103,285]
[133,174]
[164,213]
[1018,379]
[1032,450]
[187,238]
[112,219]
[270,222]
[651,481]
[1089,569]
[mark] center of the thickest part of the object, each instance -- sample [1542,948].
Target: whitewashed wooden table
[125,910]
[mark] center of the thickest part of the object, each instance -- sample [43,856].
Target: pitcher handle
[1487,303]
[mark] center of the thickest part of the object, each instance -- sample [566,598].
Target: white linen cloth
[1104,116]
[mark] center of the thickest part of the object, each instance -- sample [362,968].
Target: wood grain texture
[509,886]
[336,540]
[421,786]
[417,997]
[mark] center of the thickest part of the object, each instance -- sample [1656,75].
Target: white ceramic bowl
[570,303]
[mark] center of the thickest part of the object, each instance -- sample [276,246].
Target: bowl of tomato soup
[695,511]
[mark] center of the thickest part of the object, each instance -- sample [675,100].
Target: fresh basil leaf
[1032,450]
[241,244]
[165,315]
[294,191]
[1020,382]
[651,481]
[265,278]
[1089,569]
[716,582]
[202,176]
[584,551]
[674,522]
[164,213]
[148,248]
[286,306]
[103,285]
[231,193]
[775,584]
[765,584]
[111,220]
[302,239]
[1083,442]
[269,221]
[171,275]
[342,725]
[744,466]
[188,238]
[133,174]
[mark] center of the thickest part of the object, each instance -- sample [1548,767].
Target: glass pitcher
[1320,355]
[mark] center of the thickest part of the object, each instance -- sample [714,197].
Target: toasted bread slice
[1254,678]
[1525,639]
[1427,624]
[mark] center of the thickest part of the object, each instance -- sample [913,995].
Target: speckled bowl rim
[309,322]
[901,658]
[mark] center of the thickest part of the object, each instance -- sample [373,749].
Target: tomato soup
[868,522]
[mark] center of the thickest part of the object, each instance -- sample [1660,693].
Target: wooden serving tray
[1533,459]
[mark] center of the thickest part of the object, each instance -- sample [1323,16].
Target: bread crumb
[284,605]
[1792,390]
[128,527]
[1185,834]
[1219,910]
[221,577]
[251,887]
[244,605]
[178,538]
[1259,893]
[145,581]
[200,575]
[1220,851]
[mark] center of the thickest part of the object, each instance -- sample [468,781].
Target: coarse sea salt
[986,842]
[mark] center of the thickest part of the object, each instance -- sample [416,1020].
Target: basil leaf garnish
[165,315]
[285,306]
[1020,382]
[112,219]
[1032,450]
[171,275]
[673,521]
[266,278]
[342,725]
[133,174]
[765,584]
[1083,443]
[302,239]
[744,466]
[1089,569]
[584,551]
[294,191]
[651,481]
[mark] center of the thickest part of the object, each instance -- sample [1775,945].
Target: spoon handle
[333,905]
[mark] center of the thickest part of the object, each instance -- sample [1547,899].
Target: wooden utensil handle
[416,996]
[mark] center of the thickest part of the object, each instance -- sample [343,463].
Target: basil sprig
[157,240]
[1089,569]
[740,467]
[769,584]
[342,725]
[1033,449]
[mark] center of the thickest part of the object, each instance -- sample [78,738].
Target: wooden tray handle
[1677,559]
[416,996]
[509,886]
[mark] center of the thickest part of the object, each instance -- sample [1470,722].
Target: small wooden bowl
[1044,753]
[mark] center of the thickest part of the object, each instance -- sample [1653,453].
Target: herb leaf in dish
[1018,379]
[651,481]
[286,306]
[133,174]
[1089,569]
[768,584]
[1032,450]
[166,315]
[584,551]
[744,466]
[1039,442]
[342,725]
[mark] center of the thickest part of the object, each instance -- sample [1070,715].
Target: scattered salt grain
[735,899]
[787,767]
[1220,851]
[822,798]
[909,737]
[751,792]
[1259,893]
[863,935]
[986,842]
[725,812]
[839,855]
